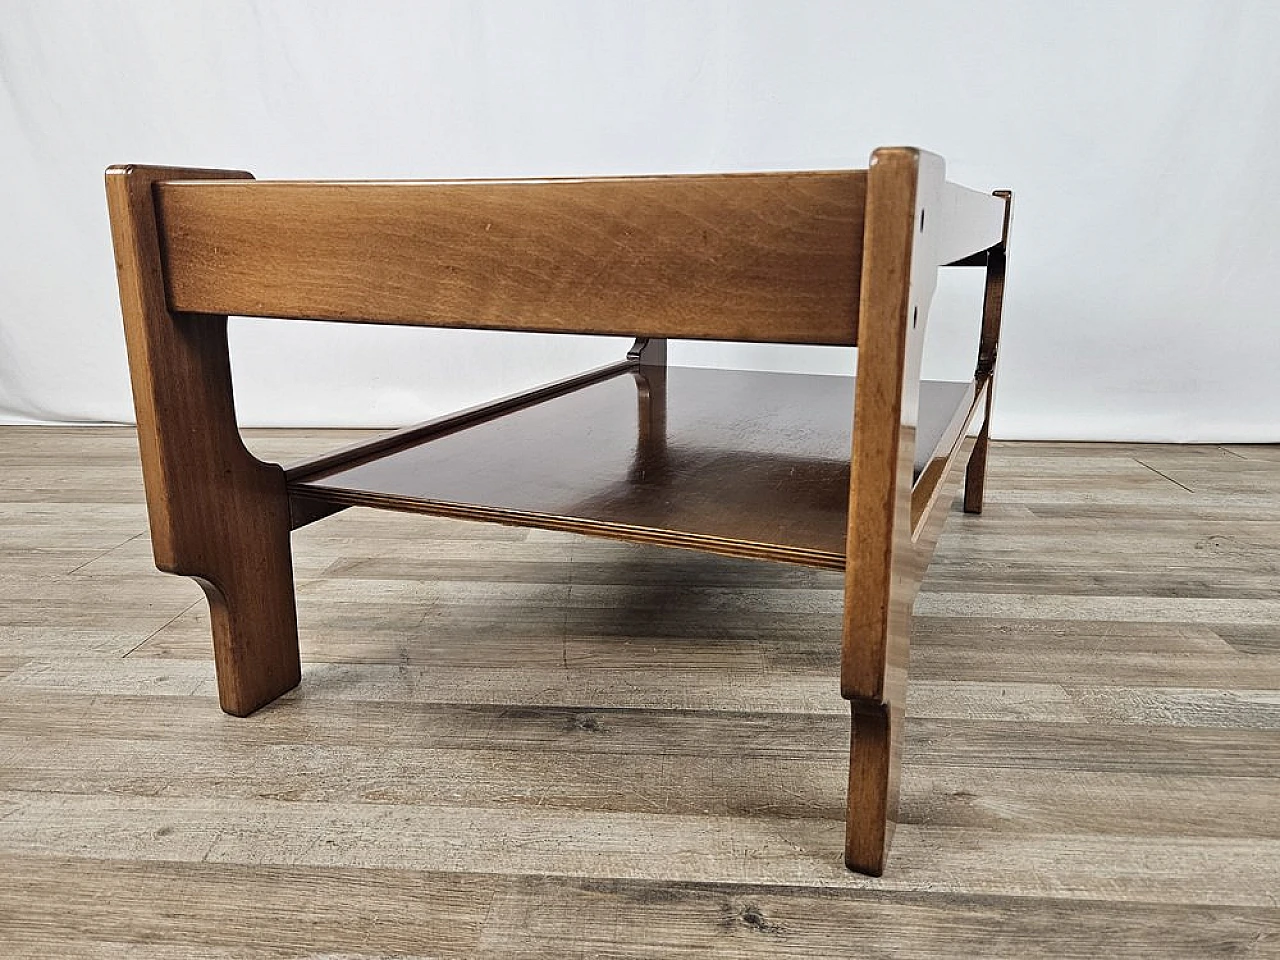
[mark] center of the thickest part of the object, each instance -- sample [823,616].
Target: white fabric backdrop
[1142,139]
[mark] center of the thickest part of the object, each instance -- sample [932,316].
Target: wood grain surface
[521,743]
[827,257]
[217,513]
[770,256]
[747,463]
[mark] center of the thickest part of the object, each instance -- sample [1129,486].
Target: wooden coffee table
[852,473]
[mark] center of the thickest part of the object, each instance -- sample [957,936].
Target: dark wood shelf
[736,462]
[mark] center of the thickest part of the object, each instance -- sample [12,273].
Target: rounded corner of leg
[242,702]
[857,864]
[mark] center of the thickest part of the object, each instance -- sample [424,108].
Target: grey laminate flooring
[517,743]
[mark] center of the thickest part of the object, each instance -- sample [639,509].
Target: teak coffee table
[837,472]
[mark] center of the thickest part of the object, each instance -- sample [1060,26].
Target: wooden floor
[525,744]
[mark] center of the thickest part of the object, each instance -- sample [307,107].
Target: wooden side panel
[217,513]
[757,257]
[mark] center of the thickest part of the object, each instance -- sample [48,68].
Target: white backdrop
[1142,139]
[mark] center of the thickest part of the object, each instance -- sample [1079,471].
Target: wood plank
[406,636]
[661,731]
[1252,640]
[1206,508]
[76,906]
[1181,707]
[500,777]
[996,637]
[631,920]
[382,725]
[89,526]
[593,845]
[1116,666]
[52,482]
[190,911]
[800,691]
[1253,451]
[1007,798]
[1132,748]
[194,764]
[733,257]
[98,443]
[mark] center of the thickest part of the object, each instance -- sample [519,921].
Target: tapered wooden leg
[992,307]
[222,517]
[252,611]
[975,475]
[875,749]
[218,514]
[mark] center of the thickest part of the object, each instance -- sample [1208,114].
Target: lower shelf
[733,462]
